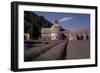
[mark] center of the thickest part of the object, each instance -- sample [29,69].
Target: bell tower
[56,33]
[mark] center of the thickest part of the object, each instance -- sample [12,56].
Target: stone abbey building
[56,33]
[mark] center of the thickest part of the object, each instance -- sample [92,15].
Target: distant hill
[33,24]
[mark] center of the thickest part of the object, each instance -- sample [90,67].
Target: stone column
[84,36]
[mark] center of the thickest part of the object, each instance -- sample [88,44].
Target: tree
[33,24]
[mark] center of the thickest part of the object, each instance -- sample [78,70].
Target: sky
[67,20]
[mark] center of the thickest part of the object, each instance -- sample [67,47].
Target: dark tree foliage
[33,24]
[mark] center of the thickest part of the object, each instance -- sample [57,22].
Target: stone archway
[80,37]
[87,37]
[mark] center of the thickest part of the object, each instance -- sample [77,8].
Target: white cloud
[66,19]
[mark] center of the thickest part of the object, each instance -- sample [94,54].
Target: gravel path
[78,49]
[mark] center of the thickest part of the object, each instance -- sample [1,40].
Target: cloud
[66,19]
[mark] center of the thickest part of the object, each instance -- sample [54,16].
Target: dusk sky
[68,20]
